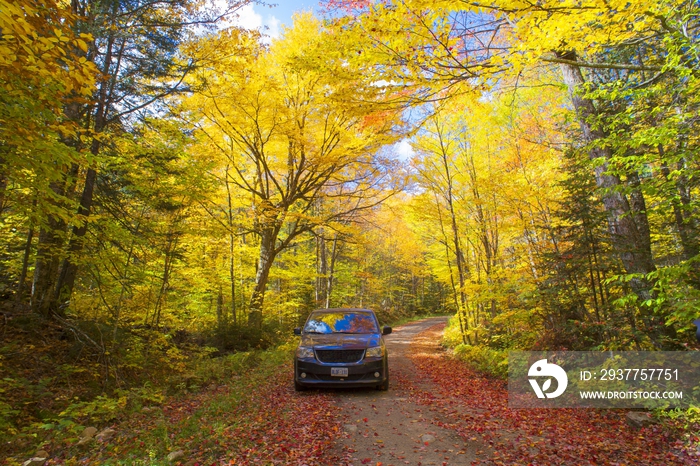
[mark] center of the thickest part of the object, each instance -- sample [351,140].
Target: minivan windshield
[341,322]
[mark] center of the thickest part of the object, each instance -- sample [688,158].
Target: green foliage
[413,318]
[100,410]
[244,373]
[689,418]
[229,337]
[676,300]
[576,295]
[453,334]
[221,369]
[7,415]
[484,359]
[42,71]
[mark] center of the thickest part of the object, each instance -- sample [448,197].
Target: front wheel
[385,385]
[297,386]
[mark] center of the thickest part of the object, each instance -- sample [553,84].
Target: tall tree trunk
[685,224]
[463,326]
[3,189]
[22,282]
[170,249]
[321,270]
[628,229]
[46,265]
[69,267]
[231,238]
[331,270]
[52,236]
[50,244]
[220,308]
[627,219]
[268,238]
[25,264]
[462,268]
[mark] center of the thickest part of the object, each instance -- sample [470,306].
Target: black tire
[385,385]
[297,386]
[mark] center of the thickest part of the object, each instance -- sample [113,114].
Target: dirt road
[439,412]
[390,427]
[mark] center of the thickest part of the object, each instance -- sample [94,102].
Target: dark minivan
[341,348]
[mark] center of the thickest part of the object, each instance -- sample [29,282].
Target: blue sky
[285,8]
[271,18]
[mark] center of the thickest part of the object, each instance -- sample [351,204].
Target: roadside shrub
[207,368]
[687,420]
[452,336]
[220,369]
[483,359]
[7,414]
[230,337]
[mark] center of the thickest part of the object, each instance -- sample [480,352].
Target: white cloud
[248,18]
[273,25]
[404,150]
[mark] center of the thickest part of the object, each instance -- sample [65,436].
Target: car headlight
[304,352]
[375,352]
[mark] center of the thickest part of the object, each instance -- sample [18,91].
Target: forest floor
[436,412]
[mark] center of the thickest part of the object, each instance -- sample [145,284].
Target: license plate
[339,371]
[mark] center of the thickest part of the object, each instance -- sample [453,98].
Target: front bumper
[359,374]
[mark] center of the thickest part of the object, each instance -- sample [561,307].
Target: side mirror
[297,331]
[697,324]
[386,330]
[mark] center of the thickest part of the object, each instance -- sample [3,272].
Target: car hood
[341,340]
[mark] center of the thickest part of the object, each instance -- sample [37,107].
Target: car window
[341,322]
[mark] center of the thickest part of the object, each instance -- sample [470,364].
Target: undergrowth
[55,382]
